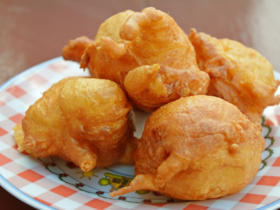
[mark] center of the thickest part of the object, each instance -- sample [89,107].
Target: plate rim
[39,205]
[271,206]
[22,196]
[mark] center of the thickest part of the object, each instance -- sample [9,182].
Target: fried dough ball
[196,148]
[84,120]
[238,74]
[149,55]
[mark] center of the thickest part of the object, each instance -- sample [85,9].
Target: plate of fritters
[159,119]
[52,182]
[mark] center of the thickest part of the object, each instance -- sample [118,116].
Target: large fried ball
[238,74]
[197,148]
[83,120]
[149,55]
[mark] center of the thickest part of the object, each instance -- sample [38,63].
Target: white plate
[53,183]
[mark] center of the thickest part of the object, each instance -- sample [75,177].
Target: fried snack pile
[83,120]
[192,148]
[197,148]
[238,74]
[148,54]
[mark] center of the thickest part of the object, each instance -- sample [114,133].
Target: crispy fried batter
[197,148]
[76,48]
[149,55]
[238,74]
[19,138]
[83,120]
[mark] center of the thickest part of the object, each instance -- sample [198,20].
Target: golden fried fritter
[83,120]
[76,48]
[196,148]
[149,55]
[238,74]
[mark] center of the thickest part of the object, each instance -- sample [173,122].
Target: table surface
[34,31]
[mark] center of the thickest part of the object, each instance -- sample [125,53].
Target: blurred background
[34,31]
